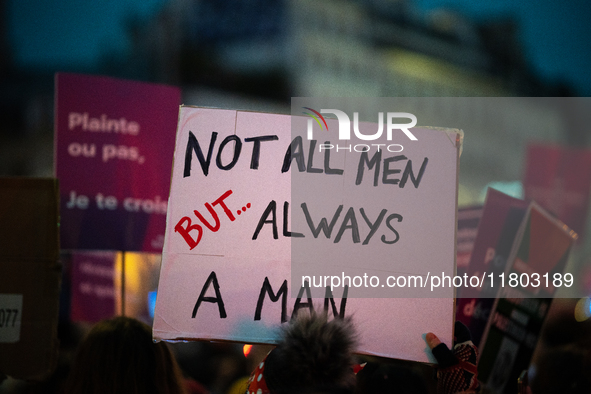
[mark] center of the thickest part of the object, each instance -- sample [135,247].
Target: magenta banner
[114,144]
[559,179]
[93,286]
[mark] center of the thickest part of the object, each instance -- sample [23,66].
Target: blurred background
[257,54]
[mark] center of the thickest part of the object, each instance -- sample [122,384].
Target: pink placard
[114,143]
[93,286]
[227,269]
[559,179]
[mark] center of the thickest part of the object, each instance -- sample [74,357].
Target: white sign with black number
[11,308]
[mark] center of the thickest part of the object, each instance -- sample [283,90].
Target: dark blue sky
[71,34]
[556,35]
[58,34]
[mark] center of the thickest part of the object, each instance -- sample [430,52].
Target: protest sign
[559,179]
[234,222]
[468,220]
[30,274]
[113,150]
[501,219]
[92,286]
[535,268]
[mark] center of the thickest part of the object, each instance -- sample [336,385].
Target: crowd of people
[315,355]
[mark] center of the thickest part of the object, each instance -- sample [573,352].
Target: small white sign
[11,310]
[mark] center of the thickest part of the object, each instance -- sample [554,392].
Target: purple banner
[93,286]
[114,143]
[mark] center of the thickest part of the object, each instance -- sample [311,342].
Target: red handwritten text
[185,226]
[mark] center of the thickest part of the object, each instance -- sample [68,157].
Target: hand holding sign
[457,370]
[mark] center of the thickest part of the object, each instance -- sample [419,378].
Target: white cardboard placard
[221,279]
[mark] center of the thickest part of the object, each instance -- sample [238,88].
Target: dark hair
[118,356]
[314,355]
[392,376]
[563,370]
